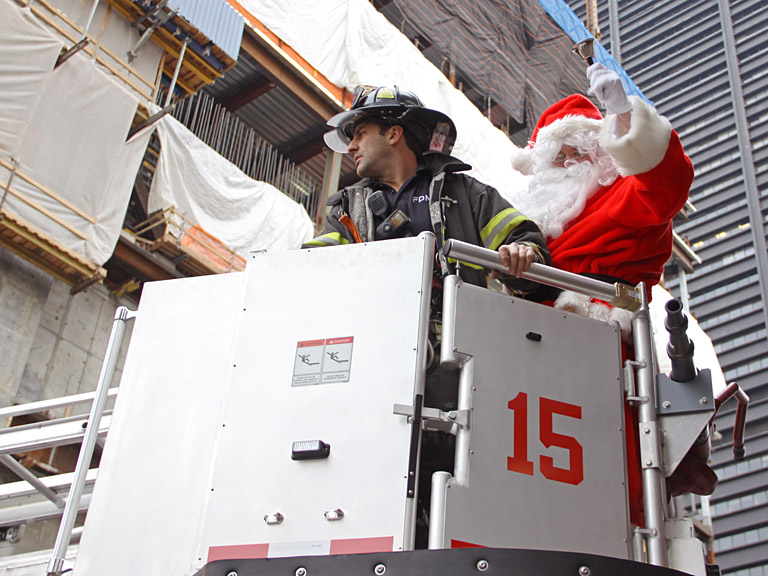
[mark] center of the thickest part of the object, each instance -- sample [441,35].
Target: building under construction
[148,140]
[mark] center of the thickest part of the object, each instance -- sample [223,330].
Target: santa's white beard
[556,195]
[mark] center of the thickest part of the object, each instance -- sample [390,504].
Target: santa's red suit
[625,228]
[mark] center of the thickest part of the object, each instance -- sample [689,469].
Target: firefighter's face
[369,150]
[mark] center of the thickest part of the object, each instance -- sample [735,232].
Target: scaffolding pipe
[91,15]
[176,72]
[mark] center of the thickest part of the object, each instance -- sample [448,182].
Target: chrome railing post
[648,432]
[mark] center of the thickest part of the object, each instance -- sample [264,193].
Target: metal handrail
[740,424]
[617,294]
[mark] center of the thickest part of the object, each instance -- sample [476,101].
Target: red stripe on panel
[238,552]
[362,545]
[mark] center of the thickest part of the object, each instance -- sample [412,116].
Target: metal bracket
[403,410]
[150,13]
[649,445]
[152,119]
[12,534]
[627,297]
[156,23]
[685,397]
[630,388]
[436,419]
[85,283]
[69,52]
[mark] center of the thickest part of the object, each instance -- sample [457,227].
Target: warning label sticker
[322,361]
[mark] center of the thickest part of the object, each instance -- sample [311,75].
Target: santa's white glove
[606,86]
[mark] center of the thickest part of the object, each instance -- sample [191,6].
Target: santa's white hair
[556,195]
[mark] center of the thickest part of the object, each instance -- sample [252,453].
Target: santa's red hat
[560,120]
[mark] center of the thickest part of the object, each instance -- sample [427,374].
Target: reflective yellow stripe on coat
[500,226]
[330,239]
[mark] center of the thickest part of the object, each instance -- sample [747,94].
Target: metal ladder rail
[21,503]
[46,434]
[56,566]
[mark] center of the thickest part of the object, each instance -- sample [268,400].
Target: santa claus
[604,190]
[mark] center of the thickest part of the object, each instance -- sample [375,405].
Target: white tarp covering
[216,195]
[351,43]
[66,129]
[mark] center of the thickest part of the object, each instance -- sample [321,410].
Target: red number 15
[547,407]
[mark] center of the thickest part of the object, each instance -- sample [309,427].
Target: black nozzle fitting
[680,347]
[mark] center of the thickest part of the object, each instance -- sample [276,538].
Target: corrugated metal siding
[277,116]
[217,19]
[674,51]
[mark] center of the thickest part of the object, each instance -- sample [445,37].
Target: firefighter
[410,184]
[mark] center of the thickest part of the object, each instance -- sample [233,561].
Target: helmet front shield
[335,141]
[338,139]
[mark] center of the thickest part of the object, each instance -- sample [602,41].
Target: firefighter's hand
[517,258]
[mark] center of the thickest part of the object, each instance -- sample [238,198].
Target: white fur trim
[577,303]
[522,160]
[624,320]
[585,306]
[565,126]
[644,146]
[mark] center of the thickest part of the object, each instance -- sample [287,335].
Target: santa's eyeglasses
[569,153]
